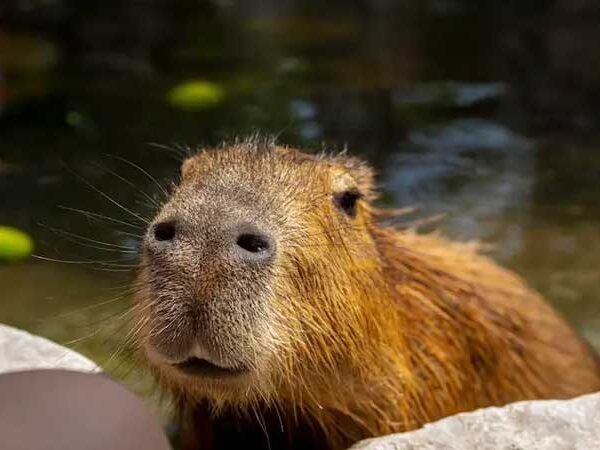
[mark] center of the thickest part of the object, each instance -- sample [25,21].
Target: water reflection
[479,174]
[486,114]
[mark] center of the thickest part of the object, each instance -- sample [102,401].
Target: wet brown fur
[370,329]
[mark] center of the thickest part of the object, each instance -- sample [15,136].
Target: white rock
[535,425]
[20,350]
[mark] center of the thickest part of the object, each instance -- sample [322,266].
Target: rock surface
[540,425]
[20,350]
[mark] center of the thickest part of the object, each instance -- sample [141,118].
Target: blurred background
[487,111]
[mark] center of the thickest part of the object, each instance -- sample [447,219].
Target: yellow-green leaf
[196,95]
[14,244]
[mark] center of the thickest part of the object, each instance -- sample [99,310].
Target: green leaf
[14,244]
[196,95]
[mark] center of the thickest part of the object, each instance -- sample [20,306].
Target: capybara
[280,310]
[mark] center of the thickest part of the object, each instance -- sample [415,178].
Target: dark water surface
[490,115]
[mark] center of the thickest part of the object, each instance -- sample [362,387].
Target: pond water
[489,115]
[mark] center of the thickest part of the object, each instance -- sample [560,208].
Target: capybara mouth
[202,367]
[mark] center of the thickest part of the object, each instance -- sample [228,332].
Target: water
[484,114]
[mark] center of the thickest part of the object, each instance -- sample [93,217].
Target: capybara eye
[346,201]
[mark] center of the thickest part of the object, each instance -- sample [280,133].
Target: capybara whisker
[129,183]
[144,172]
[97,216]
[109,263]
[104,195]
[110,301]
[178,151]
[79,237]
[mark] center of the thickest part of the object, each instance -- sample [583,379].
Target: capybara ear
[188,167]
[361,172]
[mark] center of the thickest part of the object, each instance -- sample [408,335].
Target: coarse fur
[355,330]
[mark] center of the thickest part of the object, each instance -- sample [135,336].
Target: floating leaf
[196,95]
[14,244]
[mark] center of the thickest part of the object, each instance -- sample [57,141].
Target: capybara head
[251,271]
[269,285]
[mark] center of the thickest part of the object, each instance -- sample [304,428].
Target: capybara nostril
[254,245]
[164,231]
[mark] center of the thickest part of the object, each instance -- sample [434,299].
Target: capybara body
[281,312]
